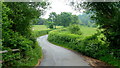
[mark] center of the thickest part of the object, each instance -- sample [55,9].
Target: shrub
[93,47]
[75,29]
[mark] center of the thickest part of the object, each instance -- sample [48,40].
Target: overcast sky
[59,6]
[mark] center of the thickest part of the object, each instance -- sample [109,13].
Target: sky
[59,6]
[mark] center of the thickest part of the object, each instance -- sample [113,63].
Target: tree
[39,21]
[106,15]
[75,29]
[17,19]
[50,24]
[65,18]
[85,19]
[75,19]
[52,18]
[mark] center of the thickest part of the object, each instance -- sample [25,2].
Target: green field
[88,31]
[39,30]
[42,27]
[39,27]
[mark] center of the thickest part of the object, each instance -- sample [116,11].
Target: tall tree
[65,18]
[75,19]
[53,18]
[22,13]
[106,15]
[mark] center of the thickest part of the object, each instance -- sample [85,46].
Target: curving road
[59,56]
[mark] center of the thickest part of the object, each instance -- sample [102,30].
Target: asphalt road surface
[59,56]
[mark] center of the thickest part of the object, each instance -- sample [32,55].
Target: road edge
[39,62]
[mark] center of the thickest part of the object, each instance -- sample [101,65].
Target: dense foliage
[16,33]
[106,15]
[108,19]
[91,46]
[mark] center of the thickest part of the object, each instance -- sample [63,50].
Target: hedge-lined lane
[90,46]
[58,56]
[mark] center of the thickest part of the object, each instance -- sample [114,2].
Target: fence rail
[7,51]
[13,50]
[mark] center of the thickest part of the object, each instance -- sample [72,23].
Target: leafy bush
[91,46]
[75,29]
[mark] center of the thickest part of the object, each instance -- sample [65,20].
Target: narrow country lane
[59,56]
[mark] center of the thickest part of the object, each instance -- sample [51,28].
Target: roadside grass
[31,62]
